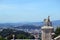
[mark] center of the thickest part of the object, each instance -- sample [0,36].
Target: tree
[1,38]
[57,31]
[23,36]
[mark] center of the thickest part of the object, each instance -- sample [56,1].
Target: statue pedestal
[46,32]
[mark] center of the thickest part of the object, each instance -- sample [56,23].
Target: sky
[28,10]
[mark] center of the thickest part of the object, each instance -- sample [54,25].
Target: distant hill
[30,24]
[56,23]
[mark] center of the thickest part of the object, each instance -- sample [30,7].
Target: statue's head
[48,17]
[44,20]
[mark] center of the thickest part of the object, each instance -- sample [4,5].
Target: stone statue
[47,22]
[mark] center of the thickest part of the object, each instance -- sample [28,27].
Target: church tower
[47,29]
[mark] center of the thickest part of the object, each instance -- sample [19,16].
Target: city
[29,20]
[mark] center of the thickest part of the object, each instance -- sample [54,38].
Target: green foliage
[1,38]
[57,31]
[24,36]
[21,36]
[18,34]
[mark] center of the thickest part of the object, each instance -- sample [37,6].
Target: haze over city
[28,10]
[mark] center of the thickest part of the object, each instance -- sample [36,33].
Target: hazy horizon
[12,11]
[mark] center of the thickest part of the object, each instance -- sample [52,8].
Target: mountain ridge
[54,23]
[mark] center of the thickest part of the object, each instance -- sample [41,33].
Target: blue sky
[28,10]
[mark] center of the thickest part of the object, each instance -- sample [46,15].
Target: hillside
[27,25]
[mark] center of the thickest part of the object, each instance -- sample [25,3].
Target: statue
[47,22]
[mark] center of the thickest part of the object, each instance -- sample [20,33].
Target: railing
[25,39]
